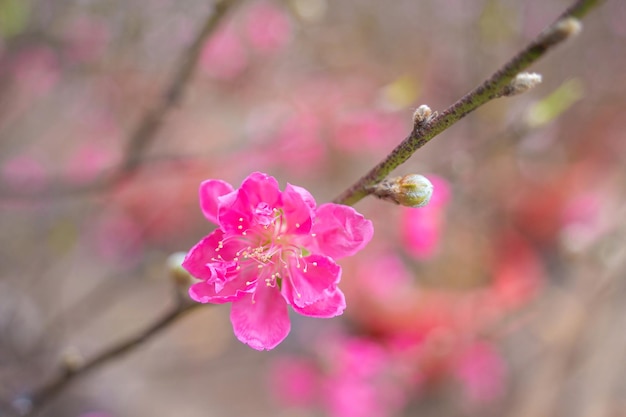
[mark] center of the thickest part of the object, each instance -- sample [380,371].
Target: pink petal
[210,191]
[204,292]
[298,211]
[340,230]
[261,320]
[206,252]
[330,306]
[306,196]
[201,254]
[308,283]
[261,188]
[240,212]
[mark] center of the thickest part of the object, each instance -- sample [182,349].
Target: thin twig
[491,88]
[47,392]
[145,132]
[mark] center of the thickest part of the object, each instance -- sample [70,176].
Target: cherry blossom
[272,249]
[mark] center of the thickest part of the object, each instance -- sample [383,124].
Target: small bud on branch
[423,115]
[72,360]
[564,29]
[411,190]
[522,82]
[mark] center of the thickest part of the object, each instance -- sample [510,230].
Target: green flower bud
[414,190]
[411,190]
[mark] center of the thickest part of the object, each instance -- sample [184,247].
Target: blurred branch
[72,369]
[149,125]
[425,129]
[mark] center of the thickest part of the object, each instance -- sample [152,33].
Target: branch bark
[34,402]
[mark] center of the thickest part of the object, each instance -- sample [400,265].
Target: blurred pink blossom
[368,130]
[298,147]
[517,271]
[294,381]
[162,220]
[347,377]
[482,371]
[89,161]
[36,70]
[586,217]
[224,56]
[86,39]
[583,208]
[116,239]
[272,249]
[268,27]
[24,173]
[286,139]
[421,228]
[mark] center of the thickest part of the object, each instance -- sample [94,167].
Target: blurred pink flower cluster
[359,376]
[313,120]
[263,29]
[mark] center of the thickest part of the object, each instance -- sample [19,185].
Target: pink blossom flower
[272,249]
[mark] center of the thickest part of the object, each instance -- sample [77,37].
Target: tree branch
[564,27]
[35,401]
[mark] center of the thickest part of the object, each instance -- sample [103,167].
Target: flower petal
[309,280]
[340,230]
[204,292]
[197,259]
[307,197]
[210,191]
[251,204]
[332,305]
[298,212]
[261,320]
[200,259]
[261,188]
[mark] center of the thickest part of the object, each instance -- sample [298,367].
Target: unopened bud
[568,27]
[411,190]
[72,359]
[423,114]
[562,30]
[522,82]
[179,275]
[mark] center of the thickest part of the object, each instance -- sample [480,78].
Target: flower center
[266,247]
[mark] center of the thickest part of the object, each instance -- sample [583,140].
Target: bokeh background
[504,297]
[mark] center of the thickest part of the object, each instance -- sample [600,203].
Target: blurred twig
[149,125]
[70,371]
[424,130]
